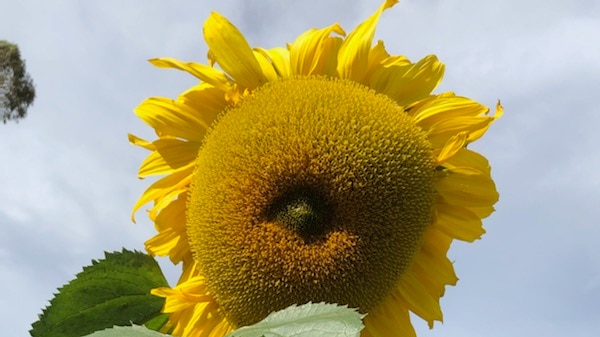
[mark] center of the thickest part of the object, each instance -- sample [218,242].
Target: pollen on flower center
[310,189]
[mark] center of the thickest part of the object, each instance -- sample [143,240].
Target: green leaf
[126,331]
[157,322]
[113,291]
[308,320]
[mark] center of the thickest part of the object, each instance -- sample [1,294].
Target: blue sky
[68,175]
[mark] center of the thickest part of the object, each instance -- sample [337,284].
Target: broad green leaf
[308,320]
[127,331]
[157,322]
[113,291]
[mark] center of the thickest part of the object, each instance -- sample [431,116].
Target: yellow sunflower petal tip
[229,48]
[353,56]
[390,3]
[324,171]
[499,110]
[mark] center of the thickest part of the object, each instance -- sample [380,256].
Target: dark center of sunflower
[309,189]
[303,211]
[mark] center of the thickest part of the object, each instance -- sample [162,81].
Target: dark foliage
[17,91]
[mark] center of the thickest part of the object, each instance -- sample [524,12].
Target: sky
[68,175]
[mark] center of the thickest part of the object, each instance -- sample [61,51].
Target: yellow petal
[222,329]
[266,66]
[353,57]
[424,282]
[171,239]
[280,58]
[170,155]
[135,140]
[459,222]
[194,312]
[452,146]
[475,127]
[232,52]
[470,190]
[431,266]
[189,269]
[210,75]
[172,118]
[327,64]
[482,212]
[390,319]
[474,135]
[379,57]
[445,106]
[183,295]
[315,50]
[469,158]
[377,54]
[169,195]
[435,273]
[418,300]
[173,183]
[408,83]
[446,115]
[432,255]
[396,60]
[499,110]
[207,100]
[163,244]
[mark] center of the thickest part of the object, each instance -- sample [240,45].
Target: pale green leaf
[127,331]
[308,320]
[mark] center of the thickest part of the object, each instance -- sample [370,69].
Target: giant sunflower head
[326,171]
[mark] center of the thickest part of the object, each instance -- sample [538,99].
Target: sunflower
[326,171]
